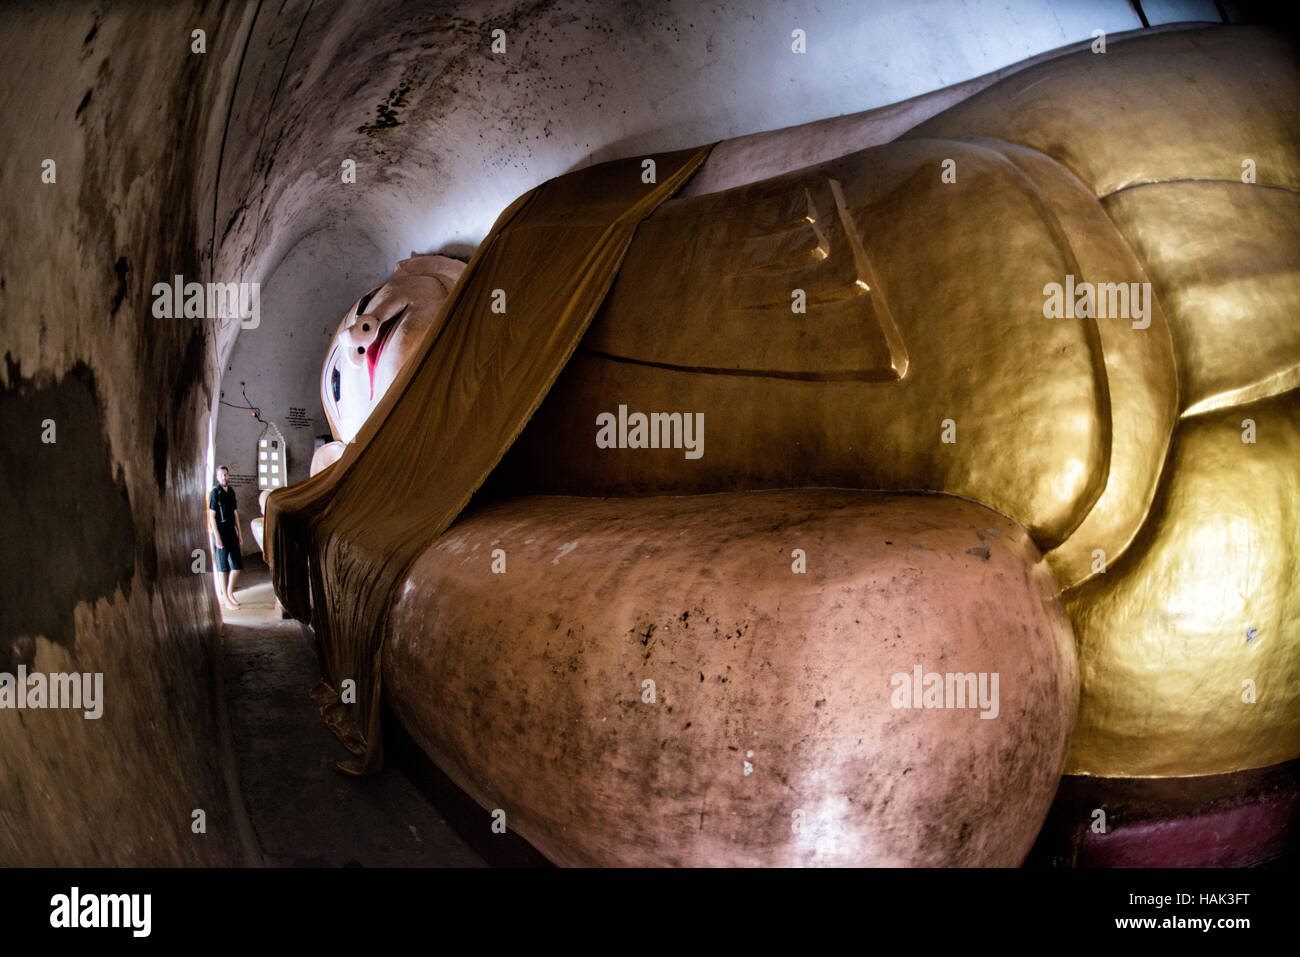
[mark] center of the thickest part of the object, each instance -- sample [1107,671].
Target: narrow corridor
[304,813]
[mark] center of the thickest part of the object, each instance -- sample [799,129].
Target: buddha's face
[378,335]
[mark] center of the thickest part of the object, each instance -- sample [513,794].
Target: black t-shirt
[222,501]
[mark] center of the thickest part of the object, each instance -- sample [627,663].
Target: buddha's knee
[787,677]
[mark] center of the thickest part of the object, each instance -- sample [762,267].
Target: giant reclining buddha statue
[750,506]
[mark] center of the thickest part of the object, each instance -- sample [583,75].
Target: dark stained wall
[100,523]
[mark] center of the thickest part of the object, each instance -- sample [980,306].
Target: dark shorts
[228,553]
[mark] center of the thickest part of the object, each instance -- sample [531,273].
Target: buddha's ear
[327,455]
[443,268]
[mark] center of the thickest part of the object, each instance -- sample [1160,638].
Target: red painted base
[1244,819]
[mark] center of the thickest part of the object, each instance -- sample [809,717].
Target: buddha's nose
[360,337]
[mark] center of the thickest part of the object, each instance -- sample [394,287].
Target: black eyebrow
[361,306]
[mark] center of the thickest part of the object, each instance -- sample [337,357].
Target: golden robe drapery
[339,543]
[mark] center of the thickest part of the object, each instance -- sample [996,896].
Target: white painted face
[378,335]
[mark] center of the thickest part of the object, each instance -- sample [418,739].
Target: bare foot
[233,603]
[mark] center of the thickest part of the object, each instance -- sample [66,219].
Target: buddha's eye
[336,382]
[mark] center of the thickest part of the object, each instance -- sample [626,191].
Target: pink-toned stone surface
[1238,836]
[772,739]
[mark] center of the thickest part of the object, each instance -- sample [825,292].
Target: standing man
[223,525]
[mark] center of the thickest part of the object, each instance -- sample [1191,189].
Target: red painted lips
[372,354]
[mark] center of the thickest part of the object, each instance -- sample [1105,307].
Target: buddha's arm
[1152,455]
[757,156]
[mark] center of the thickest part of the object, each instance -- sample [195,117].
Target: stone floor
[305,813]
